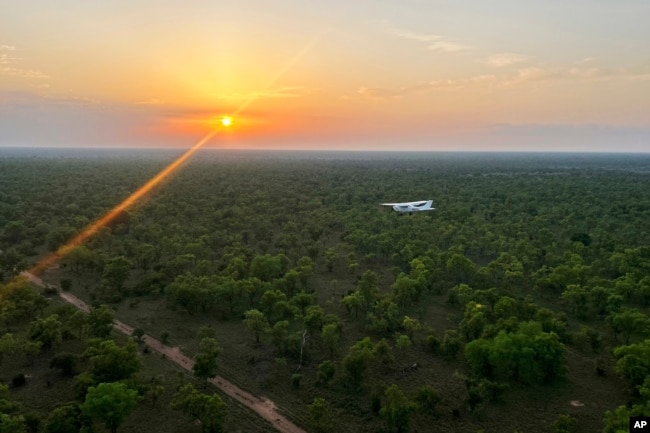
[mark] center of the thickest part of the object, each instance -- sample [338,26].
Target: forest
[519,305]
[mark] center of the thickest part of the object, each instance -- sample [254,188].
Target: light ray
[110,215]
[286,68]
[49,260]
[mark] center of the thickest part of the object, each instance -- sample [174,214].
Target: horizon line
[284,149]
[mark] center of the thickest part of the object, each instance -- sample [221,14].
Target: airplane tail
[427,205]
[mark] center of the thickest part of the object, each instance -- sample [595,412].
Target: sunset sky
[520,75]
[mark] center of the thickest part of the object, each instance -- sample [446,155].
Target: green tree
[100,321]
[460,269]
[577,297]
[210,411]
[12,423]
[194,293]
[473,321]
[383,352]
[368,287]
[257,323]
[47,331]
[145,255]
[326,371]
[269,299]
[8,345]
[251,287]
[110,362]
[279,334]
[305,269]
[356,361]
[353,303]
[320,415]
[78,322]
[618,420]
[587,338]
[205,361]
[331,337]
[331,257]
[116,272]
[19,301]
[633,362]
[153,391]
[397,409]
[385,317]
[450,344]
[506,271]
[266,267]
[230,291]
[402,342]
[12,263]
[411,326]
[111,403]
[301,301]
[66,419]
[314,317]
[81,258]
[405,290]
[630,322]
[427,399]
[598,297]
[206,332]
[528,355]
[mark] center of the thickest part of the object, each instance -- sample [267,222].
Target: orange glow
[197,123]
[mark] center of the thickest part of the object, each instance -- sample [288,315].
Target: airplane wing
[410,203]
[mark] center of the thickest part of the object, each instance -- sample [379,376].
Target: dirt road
[262,406]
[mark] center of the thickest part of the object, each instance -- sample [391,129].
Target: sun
[226,121]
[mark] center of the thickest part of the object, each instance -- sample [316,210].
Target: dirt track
[262,406]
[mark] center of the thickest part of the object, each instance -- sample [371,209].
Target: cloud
[447,46]
[433,42]
[150,101]
[24,73]
[6,59]
[505,59]
[18,99]
[382,93]
[532,75]
[8,65]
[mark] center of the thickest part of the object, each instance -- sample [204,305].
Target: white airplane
[410,207]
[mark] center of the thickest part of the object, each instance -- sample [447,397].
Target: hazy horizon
[512,76]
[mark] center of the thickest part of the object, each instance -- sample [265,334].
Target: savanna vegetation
[519,304]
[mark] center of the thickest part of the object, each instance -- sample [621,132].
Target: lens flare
[110,215]
[226,121]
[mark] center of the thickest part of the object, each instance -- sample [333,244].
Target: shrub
[565,424]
